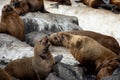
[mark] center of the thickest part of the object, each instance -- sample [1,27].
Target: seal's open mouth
[43,56]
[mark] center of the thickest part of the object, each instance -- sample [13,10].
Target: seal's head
[58,39]
[7,9]
[42,48]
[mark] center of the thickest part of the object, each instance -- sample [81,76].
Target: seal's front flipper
[58,58]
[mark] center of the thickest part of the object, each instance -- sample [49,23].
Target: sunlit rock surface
[12,48]
[97,20]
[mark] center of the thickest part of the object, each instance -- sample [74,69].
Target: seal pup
[34,68]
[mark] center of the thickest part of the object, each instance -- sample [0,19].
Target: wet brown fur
[11,23]
[21,7]
[99,3]
[25,6]
[4,75]
[107,41]
[88,52]
[116,2]
[33,68]
[93,3]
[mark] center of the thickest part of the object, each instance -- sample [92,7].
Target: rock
[69,72]
[52,76]
[64,73]
[11,48]
[67,56]
[32,37]
[49,22]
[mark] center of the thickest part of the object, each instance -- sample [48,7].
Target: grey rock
[52,76]
[49,22]
[64,73]
[11,48]
[69,72]
[32,37]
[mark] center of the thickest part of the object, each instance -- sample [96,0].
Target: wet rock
[67,72]
[49,22]
[32,37]
[52,76]
[63,71]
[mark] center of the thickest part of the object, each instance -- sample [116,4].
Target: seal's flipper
[58,58]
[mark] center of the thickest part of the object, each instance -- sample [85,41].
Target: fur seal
[92,55]
[107,41]
[4,75]
[24,6]
[11,23]
[33,68]
[112,5]
[93,3]
[116,3]
[21,7]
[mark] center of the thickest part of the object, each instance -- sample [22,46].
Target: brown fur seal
[112,5]
[11,23]
[44,57]
[34,68]
[106,41]
[4,75]
[63,2]
[28,5]
[92,55]
[116,3]
[93,3]
[21,7]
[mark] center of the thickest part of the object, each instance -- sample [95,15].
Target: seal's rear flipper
[58,58]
